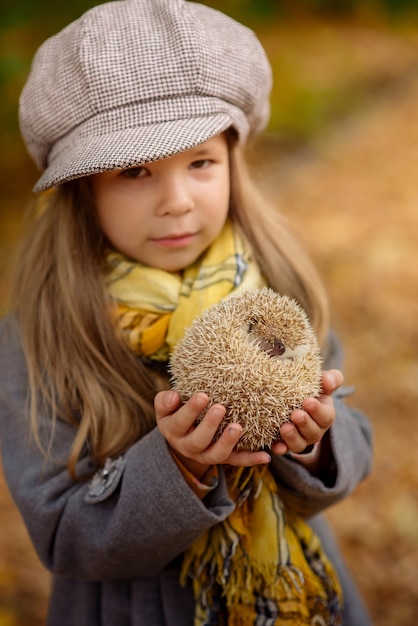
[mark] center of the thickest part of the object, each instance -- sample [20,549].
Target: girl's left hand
[308,425]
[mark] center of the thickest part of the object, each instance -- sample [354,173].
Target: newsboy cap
[134,81]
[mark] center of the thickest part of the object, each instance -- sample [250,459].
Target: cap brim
[75,156]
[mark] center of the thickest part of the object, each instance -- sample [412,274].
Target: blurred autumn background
[340,157]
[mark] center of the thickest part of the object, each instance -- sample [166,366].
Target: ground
[352,194]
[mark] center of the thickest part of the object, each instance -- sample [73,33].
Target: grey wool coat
[114,543]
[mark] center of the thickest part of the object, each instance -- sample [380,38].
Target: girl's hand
[194,445]
[309,425]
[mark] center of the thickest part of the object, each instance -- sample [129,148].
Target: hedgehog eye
[252,324]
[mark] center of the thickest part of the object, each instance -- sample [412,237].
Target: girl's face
[166,213]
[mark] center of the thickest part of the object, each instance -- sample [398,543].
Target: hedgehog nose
[277,348]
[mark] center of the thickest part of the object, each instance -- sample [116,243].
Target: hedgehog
[257,354]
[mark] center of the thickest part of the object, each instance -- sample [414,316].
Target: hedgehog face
[273,341]
[265,339]
[273,335]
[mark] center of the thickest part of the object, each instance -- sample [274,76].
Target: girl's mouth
[175,241]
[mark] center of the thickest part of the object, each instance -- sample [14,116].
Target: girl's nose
[175,197]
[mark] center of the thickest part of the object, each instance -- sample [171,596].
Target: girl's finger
[224,449]
[247,459]
[178,422]
[307,427]
[201,437]
[331,380]
[218,451]
[165,402]
[321,412]
[293,438]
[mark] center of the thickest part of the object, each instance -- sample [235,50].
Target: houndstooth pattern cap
[133,81]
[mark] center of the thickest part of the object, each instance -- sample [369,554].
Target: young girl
[137,114]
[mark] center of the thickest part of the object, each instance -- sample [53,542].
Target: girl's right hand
[194,445]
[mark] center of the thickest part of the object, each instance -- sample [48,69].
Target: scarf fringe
[240,584]
[259,566]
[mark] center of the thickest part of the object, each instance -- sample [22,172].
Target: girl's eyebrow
[201,152]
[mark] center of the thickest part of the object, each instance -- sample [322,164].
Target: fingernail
[218,411]
[202,399]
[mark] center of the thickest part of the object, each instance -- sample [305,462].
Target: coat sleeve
[131,521]
[351,445]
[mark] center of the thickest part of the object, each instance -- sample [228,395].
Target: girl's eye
[135,172]
[201,164]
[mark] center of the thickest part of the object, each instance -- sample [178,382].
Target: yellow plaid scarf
[260,567]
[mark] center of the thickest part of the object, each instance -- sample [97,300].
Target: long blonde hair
[77,364]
